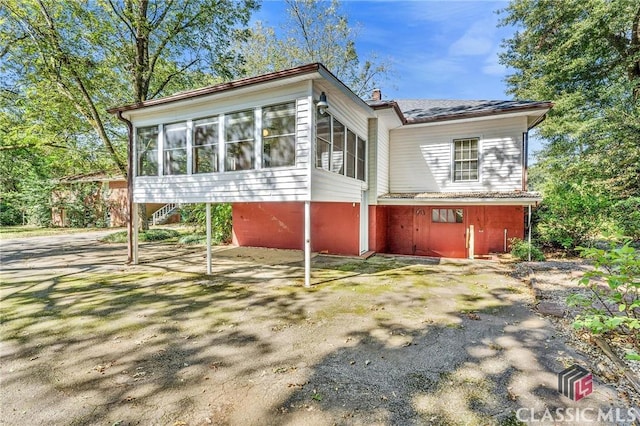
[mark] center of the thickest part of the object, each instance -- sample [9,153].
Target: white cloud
[477,40]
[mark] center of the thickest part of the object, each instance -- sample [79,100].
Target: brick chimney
[376,95]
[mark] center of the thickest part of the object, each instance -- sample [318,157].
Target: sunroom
[287,149]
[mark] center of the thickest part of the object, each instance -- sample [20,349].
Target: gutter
[129,185]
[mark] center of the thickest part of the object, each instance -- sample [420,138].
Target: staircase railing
[163,213]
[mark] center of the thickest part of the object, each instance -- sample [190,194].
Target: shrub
[150,235]
[9,215]
[626,214]
[221,222]
[616,307]
[520,250]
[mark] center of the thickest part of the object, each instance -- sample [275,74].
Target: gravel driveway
[389,340]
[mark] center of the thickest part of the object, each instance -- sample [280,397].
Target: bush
[520,250]
[193,239]
[615,308]
[626,214]
[150,235]
[221,220]
[9,215]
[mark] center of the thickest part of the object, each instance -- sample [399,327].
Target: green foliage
[626,214]
[315,31]
[84,204]
[9,215]
[150,235]
[615,306]
[221,220]
[520,250]
[583,56]
[193,239]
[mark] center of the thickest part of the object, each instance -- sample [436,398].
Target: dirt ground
[388,340]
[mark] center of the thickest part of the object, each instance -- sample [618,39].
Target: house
[105,201]
[309,165]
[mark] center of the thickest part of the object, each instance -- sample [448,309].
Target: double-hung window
[279,135]
[323,142]
[362,151]
[175,149]
[351,154]
[465,160]
[205,145]
[239,140]
[147,151]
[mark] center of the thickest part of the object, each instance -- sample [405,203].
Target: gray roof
[426,110]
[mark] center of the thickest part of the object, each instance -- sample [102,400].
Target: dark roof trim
[390,104]
[250,81]
[541,106]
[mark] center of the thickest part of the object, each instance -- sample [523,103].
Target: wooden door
[447,232]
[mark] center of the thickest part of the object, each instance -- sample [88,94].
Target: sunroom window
[323,142]
[239,140]
[337,153]
[351,154]
[362,151]
[147,151]
[278,135]
[465,163]
[205,145]
[175,149]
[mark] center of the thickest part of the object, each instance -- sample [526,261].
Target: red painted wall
[410,233]
[335,227]
[378,228]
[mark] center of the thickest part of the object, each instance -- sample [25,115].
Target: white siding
[382,161]
[270,184]
[328,186]
[421,157]
[284,184]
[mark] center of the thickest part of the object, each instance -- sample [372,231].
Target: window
[362,151]
[175,149]
[465,163]
[239,141]
[279,135]
[323,141]
[205,145]
[147,150]
[446,215]
[339,149]
[351,154]
[337,153]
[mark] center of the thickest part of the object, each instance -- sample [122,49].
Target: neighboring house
[308,164]
[106,197]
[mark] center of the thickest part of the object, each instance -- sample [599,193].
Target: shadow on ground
[86,340]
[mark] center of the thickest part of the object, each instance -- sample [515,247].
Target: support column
[472,242]
[208,238]
[529,231]
[135,219]
[307,244]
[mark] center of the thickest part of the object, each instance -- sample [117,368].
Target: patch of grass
[193,239]
[149,235]
[8,232]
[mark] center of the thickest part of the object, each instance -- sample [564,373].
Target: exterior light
[322,104]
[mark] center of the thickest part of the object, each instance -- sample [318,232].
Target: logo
[575,382]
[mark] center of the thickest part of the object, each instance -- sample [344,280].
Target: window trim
[478,140]
[347,129]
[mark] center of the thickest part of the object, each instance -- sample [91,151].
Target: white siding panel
[382,163]
[328,186]
[420,158]
[303,132]
[290,184]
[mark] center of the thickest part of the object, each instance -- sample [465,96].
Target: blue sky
[438,49]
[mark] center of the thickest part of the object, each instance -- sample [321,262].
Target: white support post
[471,242]
[135,219]
[208,238]
[529,232]
[307,244]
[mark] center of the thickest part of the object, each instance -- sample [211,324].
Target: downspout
[129,187]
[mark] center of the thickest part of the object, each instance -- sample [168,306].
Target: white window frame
[478,140]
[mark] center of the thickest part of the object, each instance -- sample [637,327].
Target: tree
[315,31]
[95,54]
[584,55]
